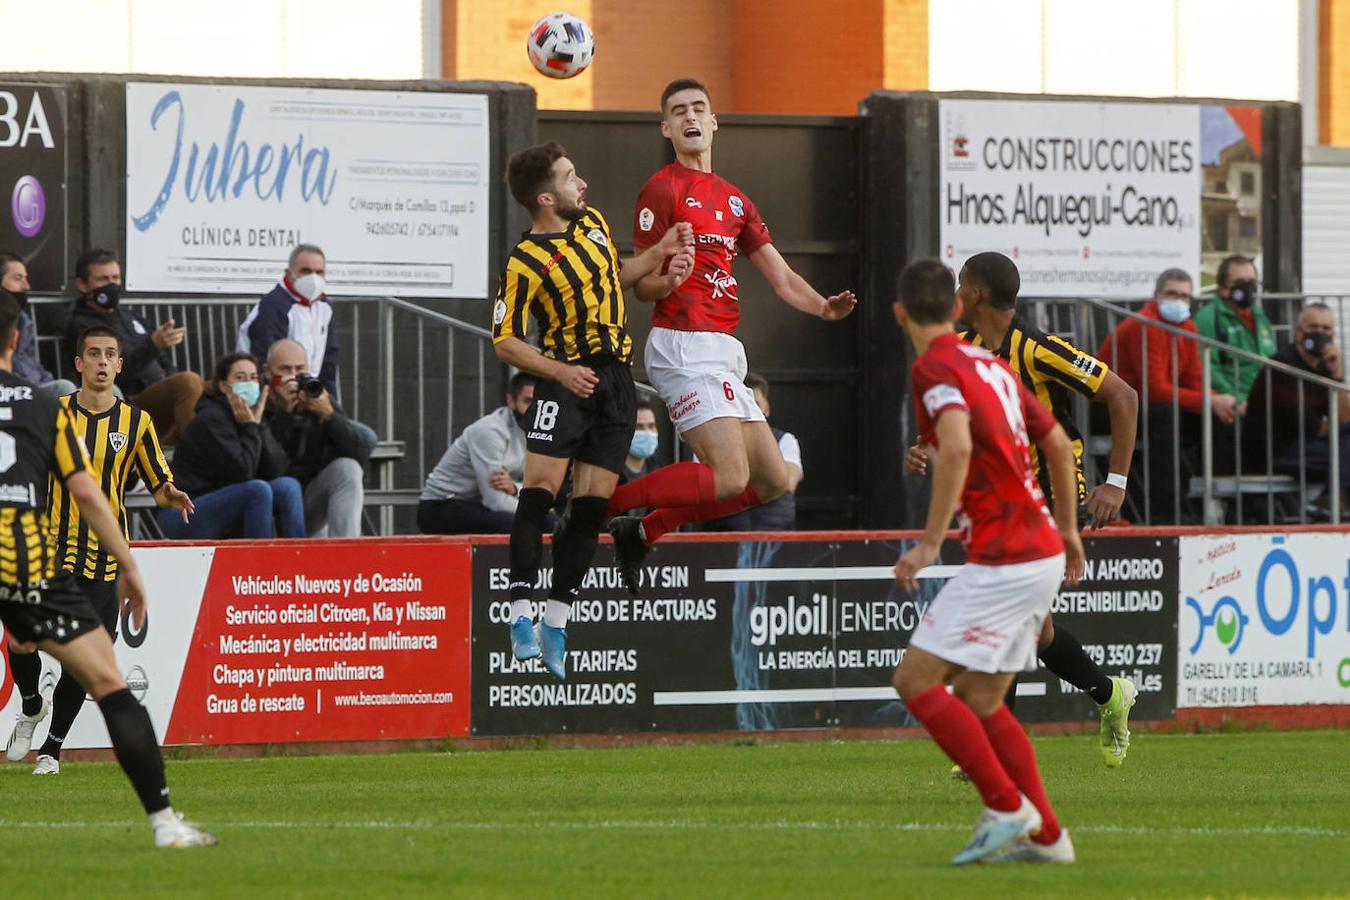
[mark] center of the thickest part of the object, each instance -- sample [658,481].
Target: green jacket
[1217,320]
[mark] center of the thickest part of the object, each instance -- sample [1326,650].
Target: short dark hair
[757,382]
[5,259]
[9,317]
[683,84]
[927,291]
[94,257]
[519,382]
[644,403]
[529,172]
[997,274]
[1171,275]
[303,248]
[221,372]
[97,331]
[1237,259]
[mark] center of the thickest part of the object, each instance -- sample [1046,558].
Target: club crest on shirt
[736,204]
[646,219]
[118,441]
[598,236]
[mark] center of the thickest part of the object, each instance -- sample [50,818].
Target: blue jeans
[244,510]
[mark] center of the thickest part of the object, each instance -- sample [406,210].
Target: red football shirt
[1003,512]
[724,221]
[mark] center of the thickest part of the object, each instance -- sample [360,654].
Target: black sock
[67,701]
[134,742]
[1010,698]
[527,540]
[1065,657]
[575,547]
[27,669]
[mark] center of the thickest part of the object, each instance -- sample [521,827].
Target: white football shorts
[988,618]
[699,375]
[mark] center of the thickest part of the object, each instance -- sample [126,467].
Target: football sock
[574,548]
[137,750]
[1014,751]
[1065,657]
[27,669]
[556,613]
[521,608]
[67,701]
[957,731]
[527,540]
[681,484]
[659,521]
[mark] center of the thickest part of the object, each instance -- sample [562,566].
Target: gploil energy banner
[222,181]
[1090,199]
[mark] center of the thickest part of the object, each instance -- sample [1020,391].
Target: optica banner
[792,634]
[223,180]
[1265,620]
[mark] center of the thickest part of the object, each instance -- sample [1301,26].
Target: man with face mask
[1123,350]
[14,278]
[1296,418]
[149,379]
[1235,318]
[297,308]
[474,487]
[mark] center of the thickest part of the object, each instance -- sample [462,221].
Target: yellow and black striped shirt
[37,443]
[1050,367]
[569,284]
[119,440]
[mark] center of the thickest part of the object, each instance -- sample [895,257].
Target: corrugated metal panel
[1326,228]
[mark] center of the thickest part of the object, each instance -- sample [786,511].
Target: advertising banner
[1087,198]
[1265,620]
[34,151]
[796,634]
[223,180]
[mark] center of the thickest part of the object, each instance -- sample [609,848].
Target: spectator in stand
[232,466]
[642,448]
[1234,318]
[780,514]
[1123,350]
[298,308]
[324,450]
[1296,418]
[149,379]
[14,278]
[473,488]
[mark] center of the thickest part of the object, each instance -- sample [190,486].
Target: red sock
[1014,751]
[957,731]
[657,522]
[681,484]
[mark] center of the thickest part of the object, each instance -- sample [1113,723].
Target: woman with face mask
[234,465]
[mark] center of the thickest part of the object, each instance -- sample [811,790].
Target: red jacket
[1128,343]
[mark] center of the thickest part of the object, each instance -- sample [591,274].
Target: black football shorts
[597,430]
[56,610]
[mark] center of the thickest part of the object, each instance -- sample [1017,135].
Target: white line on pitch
[797,695]
[824,573]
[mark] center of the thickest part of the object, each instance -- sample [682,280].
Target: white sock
[165,818]
[522,608]
[556,613]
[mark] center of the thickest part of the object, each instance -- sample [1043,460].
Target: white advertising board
[1264,620]
[223,180]
[1089,199]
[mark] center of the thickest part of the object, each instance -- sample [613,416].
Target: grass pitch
[1257,814]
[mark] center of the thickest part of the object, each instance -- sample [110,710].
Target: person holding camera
[1301,417]
[233,466]
[324,449]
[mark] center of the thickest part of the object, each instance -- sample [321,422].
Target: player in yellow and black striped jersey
[565,276]
[1053,368]
[41,606]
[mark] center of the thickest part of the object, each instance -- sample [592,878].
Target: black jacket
[310,444]
[217,450]
[142,362]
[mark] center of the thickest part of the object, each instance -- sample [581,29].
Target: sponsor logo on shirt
[736,204]
[646,219]
[723,283]
[539,436]
[692,203]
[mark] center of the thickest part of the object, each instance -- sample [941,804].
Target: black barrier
[800,634]
[34,154]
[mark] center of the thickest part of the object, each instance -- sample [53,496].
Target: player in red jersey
[982,626]
[692,358]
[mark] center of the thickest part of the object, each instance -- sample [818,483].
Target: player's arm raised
[794,290]
[95,510]
[951,464]
[647,272]
[1058,452]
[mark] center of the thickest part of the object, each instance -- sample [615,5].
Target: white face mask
[1174,311]
[309,286]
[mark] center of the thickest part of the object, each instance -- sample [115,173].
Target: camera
[309,385]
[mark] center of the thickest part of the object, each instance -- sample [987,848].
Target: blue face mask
[643,445]
[1174,311]
[249,390]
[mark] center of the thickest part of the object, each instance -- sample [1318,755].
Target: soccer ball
[560,45]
